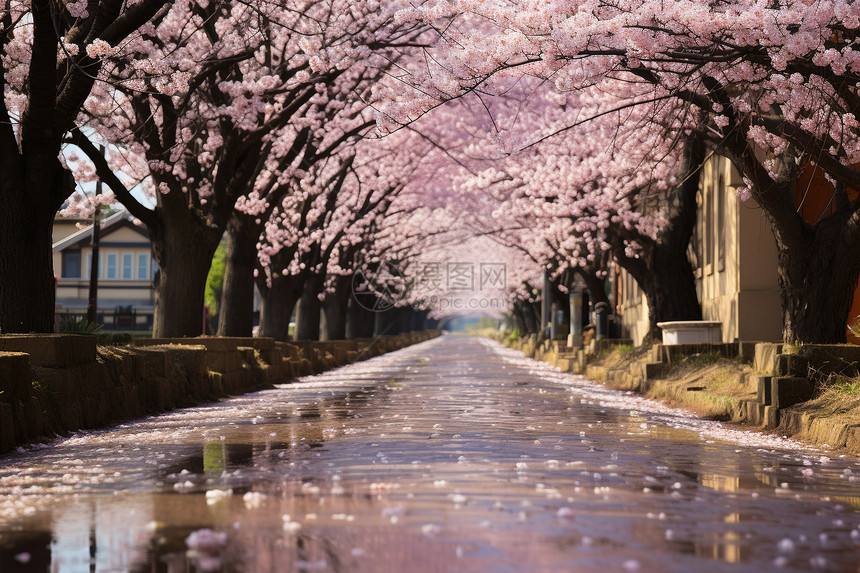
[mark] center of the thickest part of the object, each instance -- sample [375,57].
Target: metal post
[93,299]
[575,337]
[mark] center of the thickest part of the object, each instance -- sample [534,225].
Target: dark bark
[596,286]
[517,317]
[669,287]
[418,320]
[336,308]
[536,314]
[183,249]
[278,301]
[403,320]
[310,309]
[236,308]
[663,270]
[33,184]
[27,285]
[531,317]
[361,322]
[818,283]
[393,321]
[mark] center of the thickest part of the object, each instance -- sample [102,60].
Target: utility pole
[93,300]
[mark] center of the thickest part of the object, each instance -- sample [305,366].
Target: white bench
[692,332]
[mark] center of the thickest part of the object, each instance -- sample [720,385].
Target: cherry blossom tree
[52,56]
[617,187]
[773,86]
[319,235]
[260,84]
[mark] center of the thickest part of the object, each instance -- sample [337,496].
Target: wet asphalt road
[453,455]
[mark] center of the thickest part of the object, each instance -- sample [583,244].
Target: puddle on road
[455,455]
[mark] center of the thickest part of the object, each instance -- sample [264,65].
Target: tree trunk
[386,321]
[531,317]
[663,270]
[184,253]
[236,307]
[517,317]
[361,322]
[310,309]
[336,307]
[402,320]
[27,284]
[596,286]
[418,320]
[818,284]
[277,304]
[670,289]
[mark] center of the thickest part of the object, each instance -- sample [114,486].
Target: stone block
[766,354]
[770,417]
[33,420]
[216,383]
[16,379]
[852,438]
[787,391]
[72,416]
[792,365]
[237,382]
[652,370]
[52,350]
[151,362]
[7,428]
[159,394]
[216,343]
[752,411]
[826,359]
[261,343]
[763,389]
[747,352]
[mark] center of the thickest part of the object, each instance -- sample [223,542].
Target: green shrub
[71,324]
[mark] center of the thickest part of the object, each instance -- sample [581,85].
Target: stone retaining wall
[55,383]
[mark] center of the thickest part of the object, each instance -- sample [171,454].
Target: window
[699,234]
[127,263]
[101,266]
[721,224]
[142,266]
[71,265]
[709,230]
[111,266]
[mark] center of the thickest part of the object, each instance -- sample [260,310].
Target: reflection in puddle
[475,459]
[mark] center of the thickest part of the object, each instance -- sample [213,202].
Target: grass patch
[702,359]
[617,351]
[624,349]
[843,386]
